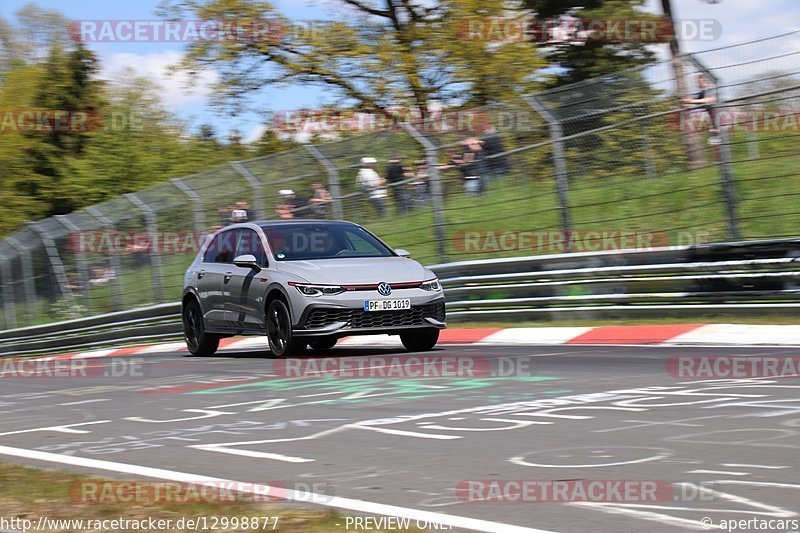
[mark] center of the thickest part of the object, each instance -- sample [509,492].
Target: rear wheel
[279,331]
[323,343]
[198,340]
[420,340]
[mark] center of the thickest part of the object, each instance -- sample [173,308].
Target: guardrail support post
[9,309]
[560,163]
[113,259]
[155,255]
[197,205]
[55,263]
[437,196]
[27,279]
[333,180]
[255,185]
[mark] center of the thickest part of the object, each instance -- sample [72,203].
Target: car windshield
[302,242]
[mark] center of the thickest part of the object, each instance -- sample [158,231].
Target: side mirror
[247,261]
[402,253]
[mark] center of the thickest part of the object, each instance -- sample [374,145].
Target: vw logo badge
[384,289]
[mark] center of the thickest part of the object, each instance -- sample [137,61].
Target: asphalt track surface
[728,448]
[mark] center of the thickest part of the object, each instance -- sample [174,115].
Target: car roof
[279,223]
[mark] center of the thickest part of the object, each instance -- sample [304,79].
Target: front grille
[360,319]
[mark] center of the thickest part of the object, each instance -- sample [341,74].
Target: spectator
[395,174]
[243,206]
[707,98]
[471,164]
[286,204]
[421,177]
[497,167]
[372,184]
[320,200]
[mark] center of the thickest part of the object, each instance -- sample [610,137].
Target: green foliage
[379,56]
[594,58]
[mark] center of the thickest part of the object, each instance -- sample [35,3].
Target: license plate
[386,305]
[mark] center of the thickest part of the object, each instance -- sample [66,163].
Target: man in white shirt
[372,184]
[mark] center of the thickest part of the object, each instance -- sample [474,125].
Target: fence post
[559,161]
[155,255]
[197,205]
[55,262]
[80,259]
[437,196]
[27,279]
[113,259]
[333,180]
[726,167]
[649,156]
[9,310]
[255,185]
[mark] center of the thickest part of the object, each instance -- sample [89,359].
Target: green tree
[380,55]
[582,60]
[18,181]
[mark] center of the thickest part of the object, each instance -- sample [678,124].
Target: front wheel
[420,340]
[279,331]
[198,341]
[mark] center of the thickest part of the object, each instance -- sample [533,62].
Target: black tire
[420,340]
[279,331]
[198,341]
[322,343]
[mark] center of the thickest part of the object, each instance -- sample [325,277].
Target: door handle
[201,274]
[228,276]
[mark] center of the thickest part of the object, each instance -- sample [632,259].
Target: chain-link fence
[611,162]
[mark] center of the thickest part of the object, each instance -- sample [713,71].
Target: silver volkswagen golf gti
[307,283]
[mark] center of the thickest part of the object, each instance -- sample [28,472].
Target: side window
[222,248]
[249,243]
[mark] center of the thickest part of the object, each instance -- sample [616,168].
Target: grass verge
[31,493]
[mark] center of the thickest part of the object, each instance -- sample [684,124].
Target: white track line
[349,504]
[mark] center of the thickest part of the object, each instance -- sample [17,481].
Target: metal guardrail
[730,278]
[146,324]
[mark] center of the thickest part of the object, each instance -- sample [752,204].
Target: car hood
[357,271]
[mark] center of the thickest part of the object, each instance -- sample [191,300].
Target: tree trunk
[691,140]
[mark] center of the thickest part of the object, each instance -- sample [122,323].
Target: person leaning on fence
[421,177]
[372,184]
[320,200]
[395,174]
[706,96]
[497,165]
[471,164]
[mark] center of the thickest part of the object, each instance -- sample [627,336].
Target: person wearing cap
[285,204]
[372,184]
[238,215]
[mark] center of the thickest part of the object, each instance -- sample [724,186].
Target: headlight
[315,291]
[431,285]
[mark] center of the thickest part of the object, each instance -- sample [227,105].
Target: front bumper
[325,320]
